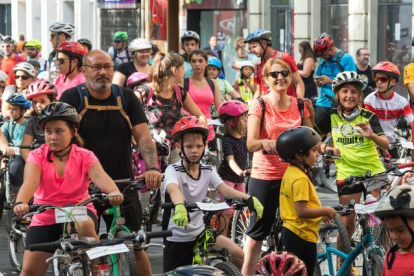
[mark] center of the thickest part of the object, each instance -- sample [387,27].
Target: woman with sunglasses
[69,63]
[280,112]
[24,74]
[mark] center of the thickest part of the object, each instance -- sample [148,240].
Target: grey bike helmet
[139,44]
[190,35]
[61,27]
[25,67]
[347,77]
[200,270]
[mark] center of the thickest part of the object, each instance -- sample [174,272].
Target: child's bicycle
[373,256]
[205,251]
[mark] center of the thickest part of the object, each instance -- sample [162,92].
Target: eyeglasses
[52,36]
[117,41]
[31,49]
[23,77]
[382,79]
[275,74]
[366,55]
[62,60]
[97,68]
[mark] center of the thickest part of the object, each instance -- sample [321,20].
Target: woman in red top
[281,112]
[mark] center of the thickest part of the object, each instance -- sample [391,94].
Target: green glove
[254,205]
[180,217]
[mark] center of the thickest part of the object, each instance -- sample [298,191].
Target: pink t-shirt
[402,266]
[68,190]
[203,98]
[62,85]
[269,166]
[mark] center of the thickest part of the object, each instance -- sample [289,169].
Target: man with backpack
[120,52]
[333,61]
[261,44]
[109,116]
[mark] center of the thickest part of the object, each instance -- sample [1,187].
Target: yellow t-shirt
[409,73]
[296,186]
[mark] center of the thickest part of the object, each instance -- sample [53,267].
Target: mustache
[102,78]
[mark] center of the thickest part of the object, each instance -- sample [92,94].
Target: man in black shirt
[108,121]
[364,70]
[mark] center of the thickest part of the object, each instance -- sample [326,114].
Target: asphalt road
[328,198]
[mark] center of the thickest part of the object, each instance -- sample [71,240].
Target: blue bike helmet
[257,35]
[213,61]
[201,270]
[20,101]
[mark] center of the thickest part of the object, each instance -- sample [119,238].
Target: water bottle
[103,267]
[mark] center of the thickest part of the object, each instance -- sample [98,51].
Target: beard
[99,85]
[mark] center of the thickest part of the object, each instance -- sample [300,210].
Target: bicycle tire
[346,241]
[382,238]
[376,265]
[125,261]
[228,268]
[16,246]
[2,197]
[239,226]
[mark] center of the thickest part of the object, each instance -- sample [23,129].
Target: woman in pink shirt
[69,62]
[58,174]
[200,90]
[281,112]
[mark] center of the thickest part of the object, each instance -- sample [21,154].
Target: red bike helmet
[136,78]
[189,124]
[40,87]
[322,44]
[387,68]
[281,264]
[230,110]
[72,49]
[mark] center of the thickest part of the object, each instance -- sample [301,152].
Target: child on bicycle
[300,208]
[396,209]
[234,164]
[188,180]
[58,174]
[245,84]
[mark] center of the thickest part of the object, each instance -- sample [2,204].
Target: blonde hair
[161,69]
[237,41]
[268,66]
[240,129]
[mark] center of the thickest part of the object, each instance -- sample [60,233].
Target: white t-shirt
[193,191]
[388,111]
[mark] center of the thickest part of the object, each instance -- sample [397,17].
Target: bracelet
[153,168]
[18,203]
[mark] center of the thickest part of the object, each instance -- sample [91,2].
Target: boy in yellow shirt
[300,207]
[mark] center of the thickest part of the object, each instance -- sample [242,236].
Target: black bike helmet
[58,111]
[296,140]
[190,270]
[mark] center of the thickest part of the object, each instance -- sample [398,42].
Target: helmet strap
[388,88]
[264,49]
[70,68]
[184,156]
[411,232]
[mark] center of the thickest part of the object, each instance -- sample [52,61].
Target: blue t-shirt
[330,69]
[14,132]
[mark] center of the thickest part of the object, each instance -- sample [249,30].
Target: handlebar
[31,147]
[191,207]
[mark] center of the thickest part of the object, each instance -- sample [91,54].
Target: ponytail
[161,70]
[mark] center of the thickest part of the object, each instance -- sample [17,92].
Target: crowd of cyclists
[88,108]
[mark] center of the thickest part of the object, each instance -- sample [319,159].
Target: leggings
[304,250]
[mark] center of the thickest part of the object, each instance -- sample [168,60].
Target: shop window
[334,21]
[282,25]
[5,19]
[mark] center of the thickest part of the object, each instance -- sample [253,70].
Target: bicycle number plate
[363,209]
[106,250]
[212,206]
[376,182]
[407,145]
[78,213]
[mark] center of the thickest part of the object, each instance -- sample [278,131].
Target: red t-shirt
[259,74]
[402,266]
[7,66]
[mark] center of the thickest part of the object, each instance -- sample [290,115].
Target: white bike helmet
[25,67]
[190,34]
[61,27]
[3,76]
[347,77]
[245,63]
[8,39]
[139,44]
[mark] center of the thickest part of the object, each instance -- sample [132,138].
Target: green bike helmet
[120,36]
[34,43]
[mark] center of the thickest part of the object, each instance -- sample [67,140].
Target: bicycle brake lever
[48,260]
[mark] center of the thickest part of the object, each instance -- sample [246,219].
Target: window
[334,21]
[282,25]
[5,19]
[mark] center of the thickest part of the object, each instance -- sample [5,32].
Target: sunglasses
[117,41]
[382,79]
[62,60]
[31,49]
[23,77]
[275,74]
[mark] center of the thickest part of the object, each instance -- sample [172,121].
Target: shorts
[49,233]
[267,192]
[238,187]
[344,190]
[177,254]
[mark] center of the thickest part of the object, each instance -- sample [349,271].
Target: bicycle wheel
[373,264]
[382,238]
[346,241]
[228,268]
[16,249]
[241,221]
[2,197]
[125,262]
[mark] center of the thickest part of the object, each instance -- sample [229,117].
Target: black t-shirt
[126,69]
[368,79]
[106,133]
[238,148]
[33,129]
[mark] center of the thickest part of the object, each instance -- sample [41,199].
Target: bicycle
[204,250]
[372,254]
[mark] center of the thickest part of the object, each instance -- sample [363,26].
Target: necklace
[61,156]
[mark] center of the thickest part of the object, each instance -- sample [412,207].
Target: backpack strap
[128,55]
[19,59]
[150,94]
[279,55]
[186,84]
[338,60]
[261,100]
[301,107]
[115,53]
[211,84]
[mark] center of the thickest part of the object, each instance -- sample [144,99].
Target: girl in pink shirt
[58,174]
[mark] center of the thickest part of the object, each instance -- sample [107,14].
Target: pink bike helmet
[136,78]
[281,264]
[230,110]
[40,87]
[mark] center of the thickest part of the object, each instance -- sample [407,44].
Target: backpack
[209,81]
[116,93]
[128,56]
[338,60]
[301,107]
[150,94]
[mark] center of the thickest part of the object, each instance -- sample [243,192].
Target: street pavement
[327,197]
